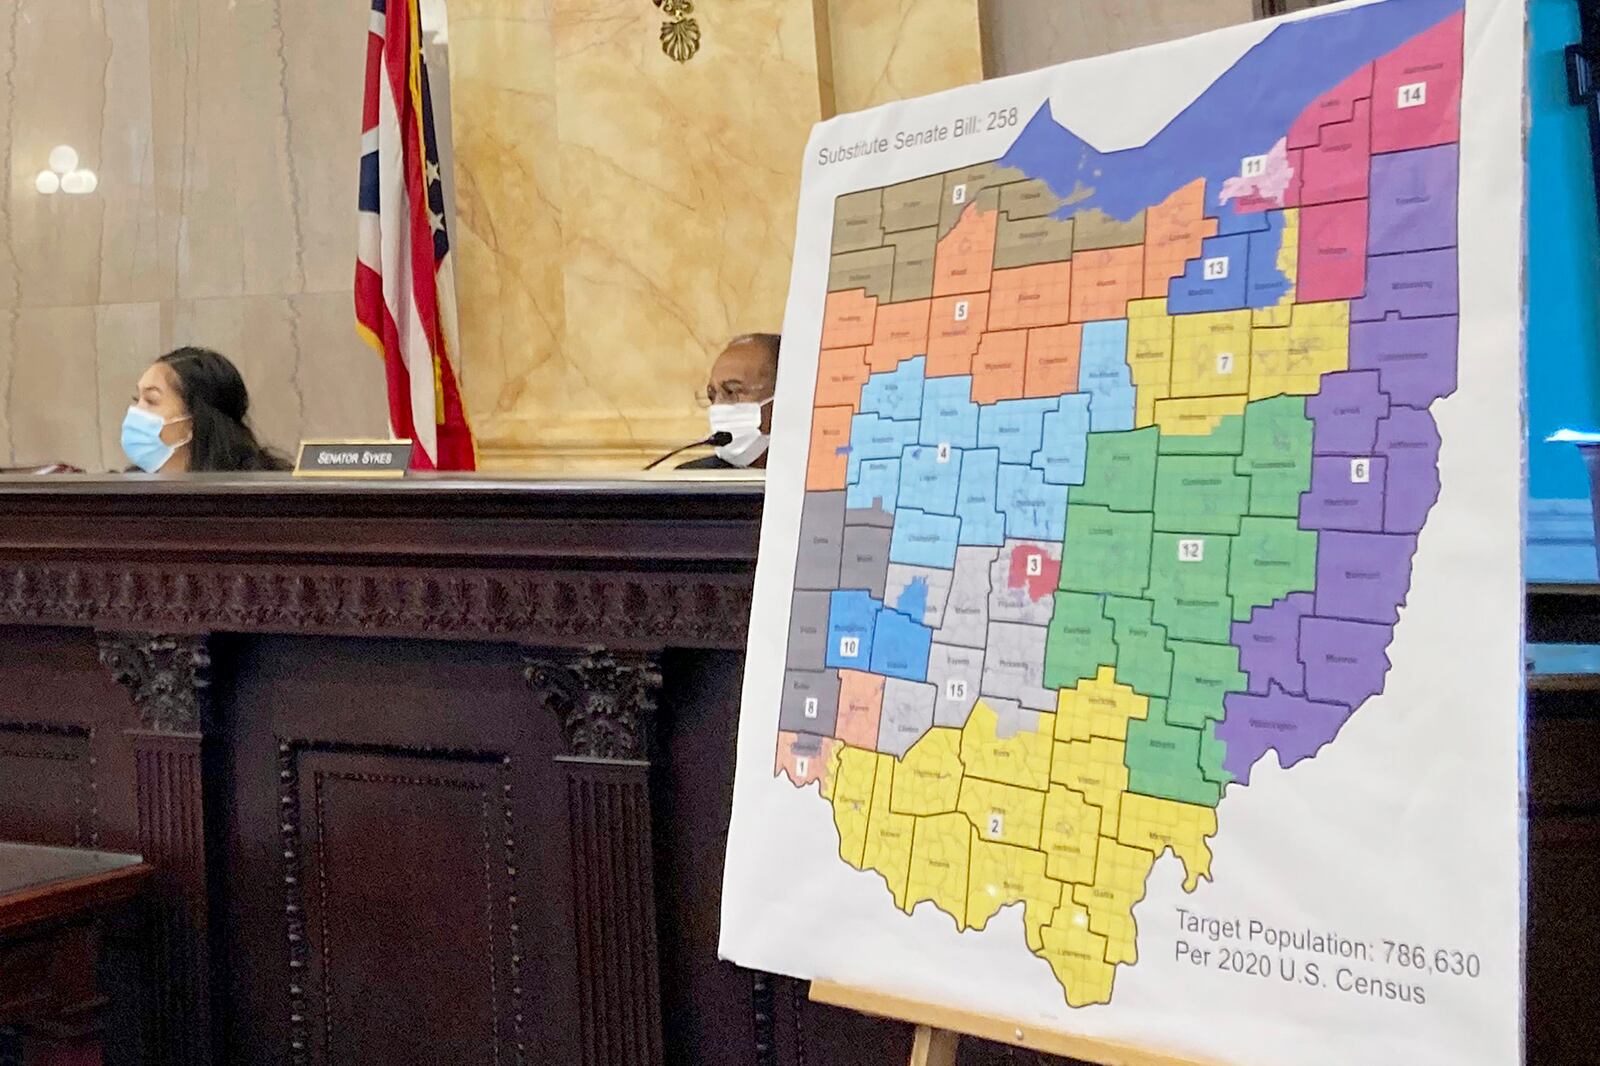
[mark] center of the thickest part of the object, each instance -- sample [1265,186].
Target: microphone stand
[716,440]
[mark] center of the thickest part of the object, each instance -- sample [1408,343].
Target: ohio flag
[405,289]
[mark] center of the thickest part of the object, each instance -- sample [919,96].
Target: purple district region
[1269,644]
[1415,357]
[1411,284]
[1345,494]
[1363,576]
[1413,200]
[1346,413]
[1409,442]
[1294,726]
[1345,661]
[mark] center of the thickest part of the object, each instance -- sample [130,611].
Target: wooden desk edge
[63,899]
[989,1028]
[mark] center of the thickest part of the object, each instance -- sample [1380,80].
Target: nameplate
[353,458]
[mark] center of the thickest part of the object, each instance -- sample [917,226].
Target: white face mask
[741,421]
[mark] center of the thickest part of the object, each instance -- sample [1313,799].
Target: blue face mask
[141,439]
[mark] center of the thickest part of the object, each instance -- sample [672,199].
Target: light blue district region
[1215,281]
[852,617]
[897,393]
[877,486]
[872,437]
[924,539]
[977,501]
[948,414]
[900,647]
[927,481]
[1016,427]
[1033,509]
[1066,441]
[1103,373]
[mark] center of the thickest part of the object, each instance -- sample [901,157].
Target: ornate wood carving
[604,700]
[537,607]
[167,676]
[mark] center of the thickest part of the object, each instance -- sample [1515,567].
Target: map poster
[1136,648]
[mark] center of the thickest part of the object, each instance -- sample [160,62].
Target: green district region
[1200,494]
[1143,661]
[1120,470]
[1105,551]
[1202,674]
[1272,557]
[1164,760]
[1226,439]
[1277,455]
[1078,641]
[1189,584]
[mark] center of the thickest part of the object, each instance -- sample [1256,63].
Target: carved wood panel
[367,832]
[49,793]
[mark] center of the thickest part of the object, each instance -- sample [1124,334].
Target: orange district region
[998,370]
[964,259]
[1031,296]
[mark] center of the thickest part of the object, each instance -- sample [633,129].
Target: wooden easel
[939,1031]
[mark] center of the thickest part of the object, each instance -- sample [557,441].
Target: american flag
[405,288]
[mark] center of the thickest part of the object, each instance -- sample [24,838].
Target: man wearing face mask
[740,393]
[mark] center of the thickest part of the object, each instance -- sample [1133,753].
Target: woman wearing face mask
[740,394]
[188,414]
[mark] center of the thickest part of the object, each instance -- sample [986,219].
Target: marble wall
[621,215]
[224,135]
[1029,34]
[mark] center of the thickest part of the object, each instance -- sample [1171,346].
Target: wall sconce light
[64,174]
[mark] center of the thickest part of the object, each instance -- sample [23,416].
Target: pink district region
[1293,726]
[1333,251]
[1278,184]
[1336,105]
[1416,91]
[1363,577]
[1336,168]
[1269,645]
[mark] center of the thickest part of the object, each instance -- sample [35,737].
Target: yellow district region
[1154,824]
[1077,956]
[1002,875]
[1071,835]
[1094,767]
[1197,416]
[939,856]
[928,779]
[1211,354]
[1003,813]
[835,756]
[1098,708]
[1292,360]
[1020,759]
[1119,877]
[888,846]
[852,799]
[1149,356]
[1288,266]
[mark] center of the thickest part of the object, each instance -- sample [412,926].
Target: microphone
[716,440]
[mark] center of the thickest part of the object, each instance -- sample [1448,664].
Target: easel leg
[934,1047]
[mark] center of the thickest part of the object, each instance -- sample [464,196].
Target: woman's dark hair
[218,402]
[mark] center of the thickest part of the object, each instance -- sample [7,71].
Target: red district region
[1041,584]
